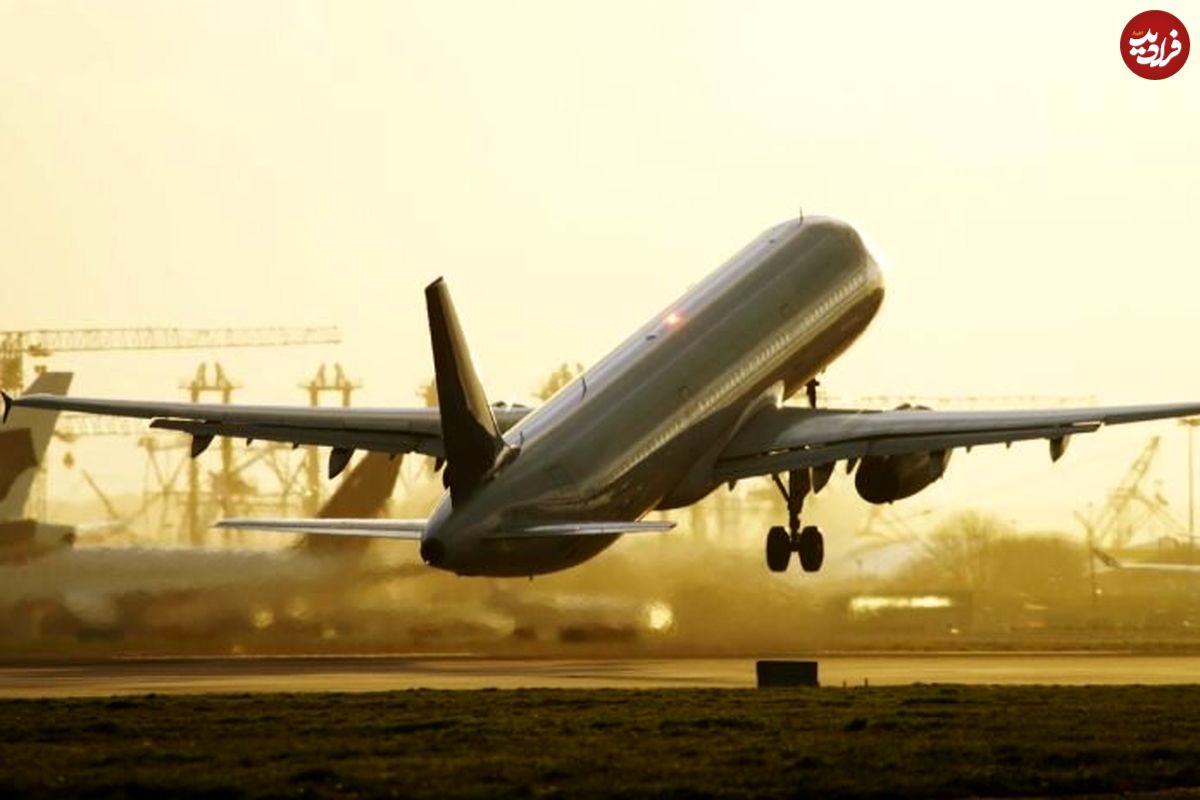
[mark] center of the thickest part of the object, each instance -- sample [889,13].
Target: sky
[572,167]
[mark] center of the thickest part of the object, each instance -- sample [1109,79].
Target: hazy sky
[571,167]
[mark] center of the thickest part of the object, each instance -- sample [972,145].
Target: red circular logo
[1155,45]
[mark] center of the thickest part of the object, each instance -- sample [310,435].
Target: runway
[388,673]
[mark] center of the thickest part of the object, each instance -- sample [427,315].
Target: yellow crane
[1128,510]
[17,346]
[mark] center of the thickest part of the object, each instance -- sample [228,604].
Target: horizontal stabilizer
[410,529]
[565,529]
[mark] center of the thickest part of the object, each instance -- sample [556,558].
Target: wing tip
[8,401]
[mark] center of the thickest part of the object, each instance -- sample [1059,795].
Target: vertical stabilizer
[23,442]
[469,432]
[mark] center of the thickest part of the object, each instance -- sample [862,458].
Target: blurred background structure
[909,575]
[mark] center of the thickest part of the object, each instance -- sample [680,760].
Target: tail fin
[23,442]
[469,431]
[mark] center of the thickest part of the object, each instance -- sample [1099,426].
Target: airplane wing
[387,430]
[781,439]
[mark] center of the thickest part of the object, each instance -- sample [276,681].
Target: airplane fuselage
[642,429]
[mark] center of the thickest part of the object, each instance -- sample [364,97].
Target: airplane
[135,589]
[1112,562]
[23,447]
[691,400]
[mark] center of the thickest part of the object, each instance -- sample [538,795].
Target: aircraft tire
[779,549]
[810,545]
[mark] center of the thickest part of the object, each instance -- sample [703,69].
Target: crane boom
[44,342]
[16,346]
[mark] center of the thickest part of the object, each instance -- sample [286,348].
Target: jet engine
[884,479]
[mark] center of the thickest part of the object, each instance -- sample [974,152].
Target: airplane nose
[433,552]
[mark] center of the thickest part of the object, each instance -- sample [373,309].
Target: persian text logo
[1155,45]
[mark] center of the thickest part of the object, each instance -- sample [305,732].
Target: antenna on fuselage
[811,389]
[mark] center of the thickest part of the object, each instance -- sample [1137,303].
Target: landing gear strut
[807,542]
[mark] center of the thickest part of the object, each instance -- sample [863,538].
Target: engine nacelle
[884,479]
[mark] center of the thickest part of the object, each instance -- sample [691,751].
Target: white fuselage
[643,428]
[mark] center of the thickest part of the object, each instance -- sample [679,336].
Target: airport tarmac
[386,673]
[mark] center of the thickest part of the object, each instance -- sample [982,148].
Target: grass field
[926,741]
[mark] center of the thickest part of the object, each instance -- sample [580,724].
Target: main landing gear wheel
[779,549]
[810,544]
[807,542]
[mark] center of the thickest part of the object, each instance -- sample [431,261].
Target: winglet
[469,431]
[7,405]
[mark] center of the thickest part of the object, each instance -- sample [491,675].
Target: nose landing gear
[807,542]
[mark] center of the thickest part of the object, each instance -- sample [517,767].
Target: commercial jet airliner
[692,400]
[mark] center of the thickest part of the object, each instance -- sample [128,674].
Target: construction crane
[1191,423]
[319,385]
[229,490]
[17,346]
[1114,525]
[71,427]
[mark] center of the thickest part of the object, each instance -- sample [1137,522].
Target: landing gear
[808,542]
